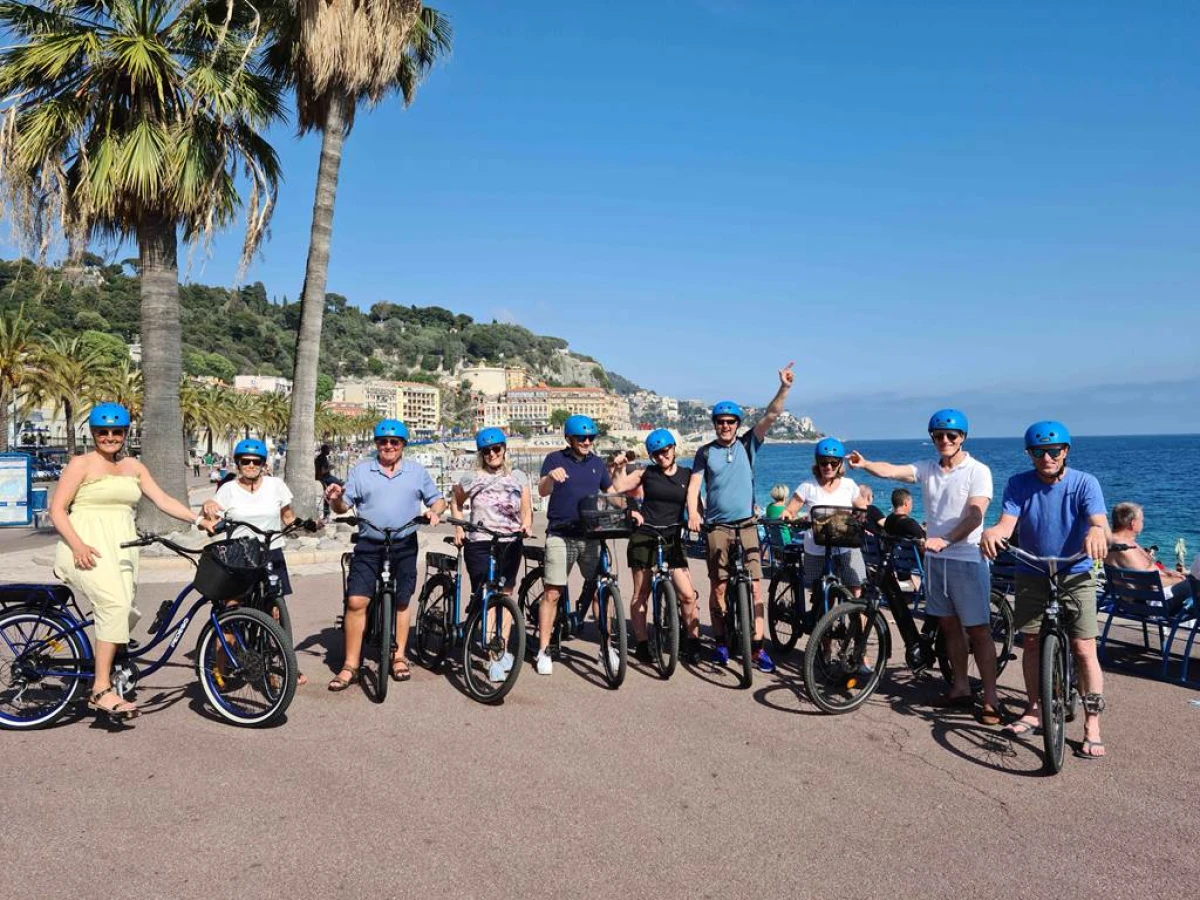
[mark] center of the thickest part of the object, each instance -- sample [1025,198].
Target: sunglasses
[109,432]
[826,461]
[249,461]
[725,423]
[945,435]
[663,451]
[583,439]
[1052,452]
[388,442]
[489,451]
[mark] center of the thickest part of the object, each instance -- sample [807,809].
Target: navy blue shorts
[508,562]
[280,566]
[367,562]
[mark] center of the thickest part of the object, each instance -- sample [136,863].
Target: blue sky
[991,205]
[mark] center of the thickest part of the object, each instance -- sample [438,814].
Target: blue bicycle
[664,619]
[491,639]
[245,663]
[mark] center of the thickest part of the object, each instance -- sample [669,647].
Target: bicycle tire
[1052,694]
[529,598]
[613,638]
[785,610]
[741,592]
[21,633]
[434,633]
[1003,635]
[386,633]
[664,627]
[253,684]
[481,650]
[837,684]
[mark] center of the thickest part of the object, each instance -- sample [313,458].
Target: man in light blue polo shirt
[391,493]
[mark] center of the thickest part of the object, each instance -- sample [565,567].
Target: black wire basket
[836,526]
[229,569]
[604,516]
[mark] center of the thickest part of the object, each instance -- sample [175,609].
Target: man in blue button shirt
[389,492]
[725,468]
[1056,511]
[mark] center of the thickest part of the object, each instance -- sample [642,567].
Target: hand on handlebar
[991,542]
[460,535]
[694,523]
[211,509]
[334,492]
[1095,542]
[936,544]
[637,517]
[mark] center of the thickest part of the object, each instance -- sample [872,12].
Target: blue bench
[1138,596]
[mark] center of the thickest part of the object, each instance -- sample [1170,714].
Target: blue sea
[1161,473]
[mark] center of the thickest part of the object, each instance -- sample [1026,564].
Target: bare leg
[756,599]
[687,596]
[717,609]
[984,649]
[403,623]
[956,649]
[547,613]
[641,593]
[353,625]
[1091,681]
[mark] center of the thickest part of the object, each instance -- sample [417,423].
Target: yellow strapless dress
[102,514]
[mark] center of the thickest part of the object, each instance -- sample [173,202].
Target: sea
[1162,473]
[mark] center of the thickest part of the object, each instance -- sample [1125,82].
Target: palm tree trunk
[5,399]
[162,368]
[72,437]
[298,472]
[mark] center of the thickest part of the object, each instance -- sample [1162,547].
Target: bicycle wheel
[1052,694]
[741,595]
[1001,625]
[42,667]
[385,631]
[493,649]
[434,628]
[785,610]
[663,627]
[845,657]
[248,673]
[613,640]
[529,598]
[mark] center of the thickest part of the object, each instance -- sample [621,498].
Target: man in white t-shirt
[956,489]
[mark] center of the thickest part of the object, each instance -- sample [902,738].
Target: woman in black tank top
[664,486]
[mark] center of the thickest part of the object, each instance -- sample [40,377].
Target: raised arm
[775,407]
[627,481]
[881,469]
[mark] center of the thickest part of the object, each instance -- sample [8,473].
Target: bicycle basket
[836,526]
[228,569]
[605,516]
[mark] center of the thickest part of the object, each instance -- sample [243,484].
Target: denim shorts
[958,587]
[367,563]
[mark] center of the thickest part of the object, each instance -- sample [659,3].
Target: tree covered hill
[231,332]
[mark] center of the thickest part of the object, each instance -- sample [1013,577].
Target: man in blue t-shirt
[1055,511]
[568,476]
[725,468]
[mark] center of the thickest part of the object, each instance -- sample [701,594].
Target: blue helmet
[658,439]
[727,408]
[110,415]
[250,447]
[489,437]
[830,447]
[579,426]
[1048,431]
[392,428]
[948,420]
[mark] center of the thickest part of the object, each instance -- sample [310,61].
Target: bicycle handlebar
[145,540]
[472,526]
[731,526]
[387,532]
[229,523]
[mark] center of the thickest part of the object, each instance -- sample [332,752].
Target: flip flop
[945,701]
[1084,751]
[1022,727]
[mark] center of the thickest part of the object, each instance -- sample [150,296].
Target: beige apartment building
[418,405]
[492,381]
[533,406]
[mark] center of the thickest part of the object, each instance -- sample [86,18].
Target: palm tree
[273,412]
[338,54]
[64,376]
[134,119]
[16,344]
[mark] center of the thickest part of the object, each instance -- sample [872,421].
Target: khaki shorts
[1076,596]
[564,552]
[719,541]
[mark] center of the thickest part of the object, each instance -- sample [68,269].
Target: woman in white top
[829,487]
[257,498]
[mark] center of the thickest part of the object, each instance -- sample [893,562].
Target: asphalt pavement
[685,788]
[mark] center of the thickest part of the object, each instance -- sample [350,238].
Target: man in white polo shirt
[956,489]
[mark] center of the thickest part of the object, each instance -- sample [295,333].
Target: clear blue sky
[992,205]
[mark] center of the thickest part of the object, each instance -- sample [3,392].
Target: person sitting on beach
[1128,520]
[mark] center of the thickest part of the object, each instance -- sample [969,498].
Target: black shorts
[279,564]
[642,552]
[367,563]
[508,562]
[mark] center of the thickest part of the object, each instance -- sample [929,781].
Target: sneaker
[614,659]
[506,663]
[721,655]
[763,661]
[691,651]
[642,652]
[496,673]
[544,665]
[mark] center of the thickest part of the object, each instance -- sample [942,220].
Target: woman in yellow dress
[93,511]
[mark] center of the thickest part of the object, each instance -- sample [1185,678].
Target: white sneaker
[496,673]
[614,659]
[506,663]
[545,665]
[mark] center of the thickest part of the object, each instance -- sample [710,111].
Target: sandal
[119,711]
[989,715]
[1022,727]
[1085,750]
[400,669]
[338,683]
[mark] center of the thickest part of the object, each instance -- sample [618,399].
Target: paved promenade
[687,788]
